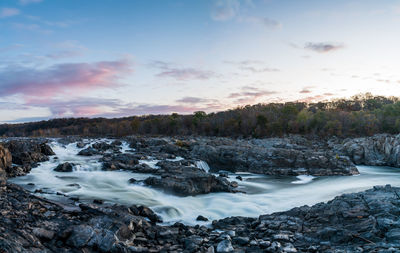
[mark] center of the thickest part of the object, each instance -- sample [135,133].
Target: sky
[114,58]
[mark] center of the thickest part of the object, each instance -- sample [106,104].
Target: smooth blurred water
[264,194]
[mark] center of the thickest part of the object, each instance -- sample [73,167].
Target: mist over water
[264,194]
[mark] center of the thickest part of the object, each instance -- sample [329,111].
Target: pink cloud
[59,79]
[249,95]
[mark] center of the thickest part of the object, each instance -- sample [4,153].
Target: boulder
[28,152]
[192,181]
[120,161]
[65,167]
[89,152]
[5,164]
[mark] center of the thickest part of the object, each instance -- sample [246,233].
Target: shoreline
[349,222]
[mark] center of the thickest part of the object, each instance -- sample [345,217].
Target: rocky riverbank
[356,222]
[377,150]
[294,155]
[359,222]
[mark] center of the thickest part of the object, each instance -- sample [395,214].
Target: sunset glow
[71,58]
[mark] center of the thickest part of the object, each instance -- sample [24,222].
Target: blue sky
[72,58]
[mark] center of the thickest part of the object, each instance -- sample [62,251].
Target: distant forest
[360,115]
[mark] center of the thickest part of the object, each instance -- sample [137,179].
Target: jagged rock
[191,182]
[271,157]
[225,246]
[201,218]
[89,152]
[366,221]
[120,162]
[378,150]
[28,152]
[145,212]
[65,167]
[80,144]
[5,163]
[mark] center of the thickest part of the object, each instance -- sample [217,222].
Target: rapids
[264,194]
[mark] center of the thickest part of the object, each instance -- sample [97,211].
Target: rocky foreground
[358,222]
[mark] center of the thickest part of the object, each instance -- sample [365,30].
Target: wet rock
[201,218]
[116,143]
[225,246]
[89,152]
[5,164]
[98,201]
[223,175]
[190,183]
[241,240]
[102,146]
[186,181]
[46,150]
[26,153]
[120,162]
[65,167]
[80,236]
[145,212]
[193,242]
[234,184]
[43,233]
[80,144]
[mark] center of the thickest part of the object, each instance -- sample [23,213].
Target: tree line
[360,115]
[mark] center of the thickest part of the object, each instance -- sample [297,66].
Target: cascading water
[264,194]
[203,165]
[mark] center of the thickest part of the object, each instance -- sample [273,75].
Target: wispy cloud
[306,90]
[254,66]
[11,47]
[67,49]
[180,73]
[323,47]
[55,24]
[78,107]
[265,21]
[250,94]
[102,107]
[183,74]
[260,70]
[9,12]
[313,98]
[224,10]
[193,100]
[32,28]
[64,54]
[67,78]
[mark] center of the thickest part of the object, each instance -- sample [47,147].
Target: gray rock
[272,157]
[43,233]
[225,246]
[241,240]
[65,167]
[378,150]
[80,236]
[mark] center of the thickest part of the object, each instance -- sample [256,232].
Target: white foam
[303,179]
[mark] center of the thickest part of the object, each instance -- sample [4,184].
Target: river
[264,194]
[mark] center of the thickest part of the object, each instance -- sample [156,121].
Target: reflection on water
[265,194]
